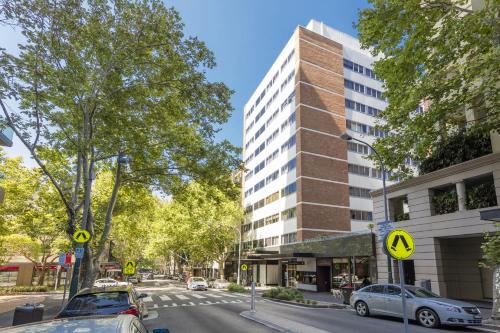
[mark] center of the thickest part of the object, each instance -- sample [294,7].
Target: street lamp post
[239,254]
[347,137]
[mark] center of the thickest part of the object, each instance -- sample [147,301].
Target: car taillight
[132,310]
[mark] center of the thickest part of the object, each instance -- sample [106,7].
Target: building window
[259,204]
[359,107]
[288,144]
[289,166]
[357,148]
[359,192]
[247,227]
[249,127]
[361,215]
[272,177]
[249,143]
[289,189]
[249,112]
[272,198]
[272,219]
[258,224]
[358,170]
[259,167]
[362,89]
[289,238]
[249,175]
[364,129]
[272,117]
[288,100]
[249,192]
[273,136]
[260,131]
[259,149]
[272,156]
[260,114]
[249,158]
[288,214]
[259,185]
[288,122]
[260,97]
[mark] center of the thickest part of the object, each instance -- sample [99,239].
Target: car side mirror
[143,295]
[161,330]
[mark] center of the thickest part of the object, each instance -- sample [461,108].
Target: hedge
[286,294]
[236,288]
[22,289]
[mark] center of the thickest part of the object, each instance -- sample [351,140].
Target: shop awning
[9,268]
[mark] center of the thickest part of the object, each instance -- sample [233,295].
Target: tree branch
[37,159]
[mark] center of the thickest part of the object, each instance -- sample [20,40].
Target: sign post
[80,237]
[400,245]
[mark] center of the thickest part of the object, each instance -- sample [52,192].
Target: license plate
[477,316]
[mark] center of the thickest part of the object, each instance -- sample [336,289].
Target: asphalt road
[181,311]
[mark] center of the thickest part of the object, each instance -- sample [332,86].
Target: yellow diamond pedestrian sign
[129,268]
[81,236]
[244,267]
[399,244]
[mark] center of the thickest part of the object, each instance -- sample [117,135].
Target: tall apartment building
[302,181]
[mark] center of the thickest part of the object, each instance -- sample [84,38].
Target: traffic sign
[68,258]
[399,243]
[384,228]
[244,267]
[81,236]
[62,258]
[79,252]
[129,268]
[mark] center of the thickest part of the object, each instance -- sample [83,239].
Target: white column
[461,196]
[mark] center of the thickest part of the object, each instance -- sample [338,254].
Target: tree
[199,226]
[113,86]
[32,215]
[491,259]
[441,53]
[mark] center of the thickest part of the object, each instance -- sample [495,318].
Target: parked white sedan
[101,283]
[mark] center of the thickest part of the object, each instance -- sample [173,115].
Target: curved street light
[346,137]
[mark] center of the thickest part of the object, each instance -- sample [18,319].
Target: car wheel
[428,318]
[361,309]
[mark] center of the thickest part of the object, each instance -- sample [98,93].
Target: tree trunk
[495,311]
[221,268]
[41,275]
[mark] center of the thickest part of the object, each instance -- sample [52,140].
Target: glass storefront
[355,270]
[8,278]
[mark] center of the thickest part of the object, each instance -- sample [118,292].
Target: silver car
[94,324]
[429,309]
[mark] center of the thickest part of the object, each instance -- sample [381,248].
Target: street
[172,306]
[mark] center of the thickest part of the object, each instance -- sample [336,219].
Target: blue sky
[246,37]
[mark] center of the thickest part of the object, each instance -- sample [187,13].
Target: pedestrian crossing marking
[212,295]
[181,297]
[224,301]
[147,299]
[183,304]
[191,303]
[165,305]
[165,298]
[229,295]
[198,296]
[155,306]
[208,302]
[234,302]
[174,304]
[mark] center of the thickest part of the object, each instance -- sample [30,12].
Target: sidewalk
[322,297]
[279,324]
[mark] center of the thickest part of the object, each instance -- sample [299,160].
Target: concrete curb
[317,306]
[248,315]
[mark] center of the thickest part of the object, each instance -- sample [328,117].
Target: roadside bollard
[252,306]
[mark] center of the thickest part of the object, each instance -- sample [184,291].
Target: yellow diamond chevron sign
[81,236]
[244,267]
[399,244]
[129,268]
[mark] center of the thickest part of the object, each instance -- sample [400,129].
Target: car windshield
[197,279]
[422,293]
[92,302]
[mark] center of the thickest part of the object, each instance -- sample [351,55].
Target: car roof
[100,324]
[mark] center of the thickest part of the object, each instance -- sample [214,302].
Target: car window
[366,289]
[423,293]
[393,290]
[198,279]
[92,302]
[378,289]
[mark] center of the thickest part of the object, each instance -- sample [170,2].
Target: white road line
[224,301]
[165,305]
[165,298]
[191,303]
[217,302]
[182,297]
[213,295]
[183,304]
[234,302]
[208,302]
[155,306]
[198,296]
[229,295]
[147,299]
[174,304]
